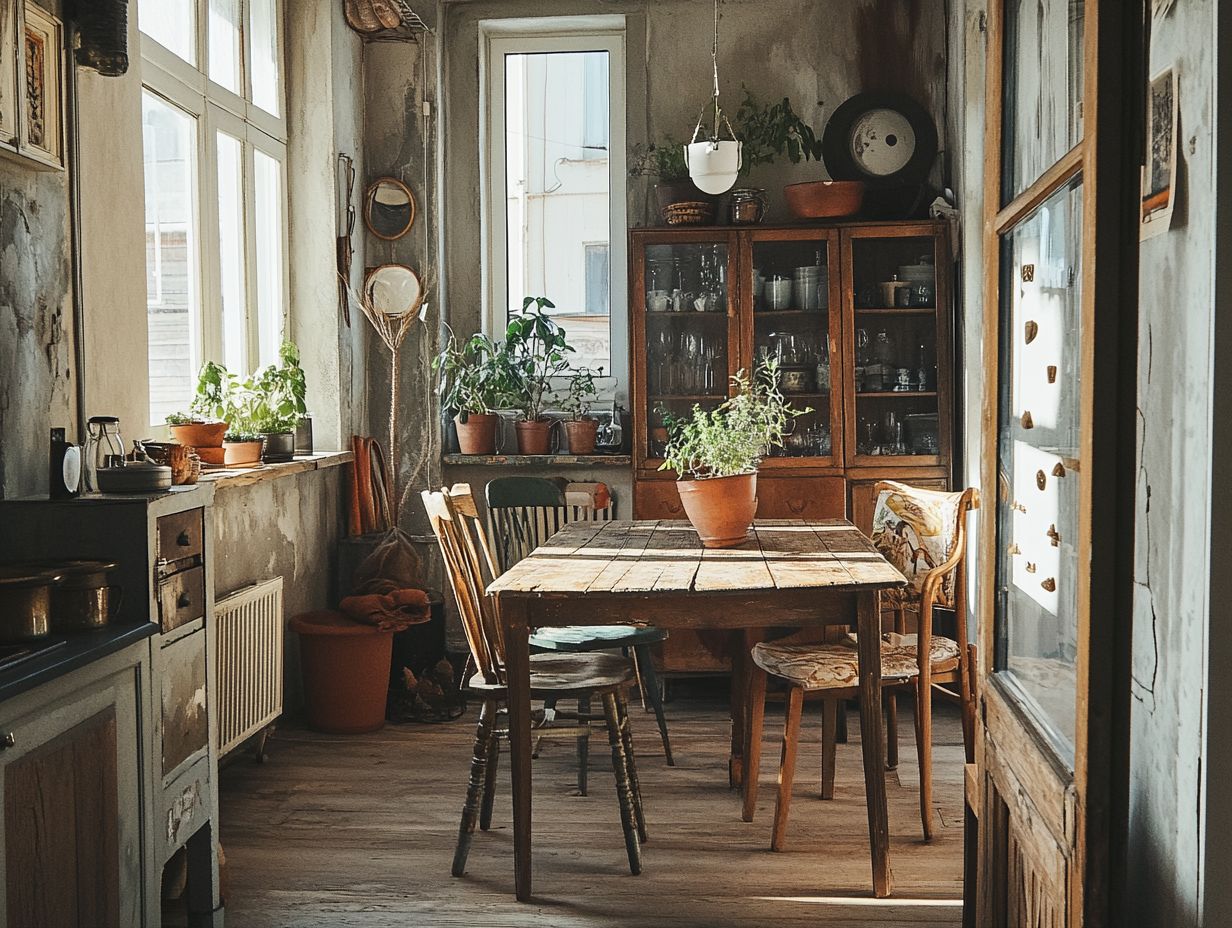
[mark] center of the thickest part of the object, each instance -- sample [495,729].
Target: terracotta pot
[242,453]
[477,435]
[345,666]
[720,508]
[581,435]
[215,457]
[200,434]
[825,199]
[534,437]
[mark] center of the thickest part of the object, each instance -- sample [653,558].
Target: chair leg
[637,672]
[549,707]
[626,735]
[479,761]
[583,742]
[924,751]
[829,736]
[756,715]
[787,767]
[489,782]
[891,711]
[650,686]
[624,791]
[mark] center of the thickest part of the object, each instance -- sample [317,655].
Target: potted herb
[473,384]
[580,429]
[195,432]
[206,423]
[534,352]
[716,454]
[279,403]
[665,160]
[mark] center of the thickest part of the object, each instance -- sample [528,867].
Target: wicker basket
[689,213]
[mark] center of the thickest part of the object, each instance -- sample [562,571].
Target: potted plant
[580,429]
[665,160]
[716,454]
[533,353]
[279,393]
[196,432]
[223,397]
[473,384]
[205,425]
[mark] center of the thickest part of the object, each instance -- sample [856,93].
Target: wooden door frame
[1113,57]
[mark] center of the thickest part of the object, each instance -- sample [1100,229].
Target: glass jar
[104,448]
[748,205]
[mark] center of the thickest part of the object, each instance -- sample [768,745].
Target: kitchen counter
[76,651]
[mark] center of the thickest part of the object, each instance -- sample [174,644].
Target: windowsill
[243,476]
[541,460]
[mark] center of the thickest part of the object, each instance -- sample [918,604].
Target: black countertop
[62,654]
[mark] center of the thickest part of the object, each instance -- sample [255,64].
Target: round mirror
[389,208]
[393,289]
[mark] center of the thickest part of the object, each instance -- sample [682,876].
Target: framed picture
[43,69]
[1159,172]
[8,72]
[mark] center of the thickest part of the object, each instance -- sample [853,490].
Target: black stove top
[13,654]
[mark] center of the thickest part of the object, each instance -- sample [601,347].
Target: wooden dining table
[790,573]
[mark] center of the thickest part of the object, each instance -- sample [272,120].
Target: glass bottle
[104,448]
[922,371]
[823,367]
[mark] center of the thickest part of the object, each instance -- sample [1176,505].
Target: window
[215,180]
[554,204]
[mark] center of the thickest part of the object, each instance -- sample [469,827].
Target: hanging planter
[714,161]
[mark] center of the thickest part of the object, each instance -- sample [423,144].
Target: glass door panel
[1039,472]
[688,359]
[791,322]
[894,349]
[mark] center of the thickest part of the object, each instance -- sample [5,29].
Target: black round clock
[883,139]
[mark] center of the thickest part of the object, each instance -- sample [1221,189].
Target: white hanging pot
[713,166]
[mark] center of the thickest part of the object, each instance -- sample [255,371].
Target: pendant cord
[714,60]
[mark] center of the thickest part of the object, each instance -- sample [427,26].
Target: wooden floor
[360,831]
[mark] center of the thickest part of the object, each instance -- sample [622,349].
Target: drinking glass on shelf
[892,433]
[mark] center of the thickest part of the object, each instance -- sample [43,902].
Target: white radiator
[250,648]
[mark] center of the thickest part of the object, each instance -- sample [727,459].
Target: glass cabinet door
[896,349]
[794,300]
[689,353]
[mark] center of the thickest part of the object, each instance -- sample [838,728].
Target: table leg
[514,614]
[872,739]
[742,667]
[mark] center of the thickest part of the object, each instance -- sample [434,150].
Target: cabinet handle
[796,505]
[183,540]
[8,740]
[183,602]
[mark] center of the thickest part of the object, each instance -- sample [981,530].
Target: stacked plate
[810,287]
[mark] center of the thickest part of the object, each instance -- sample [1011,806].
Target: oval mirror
[393,289]
[389,208]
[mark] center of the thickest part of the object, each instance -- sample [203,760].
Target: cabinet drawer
[657,499]
[181,535]
[185,717]
[181,598]
[801,498]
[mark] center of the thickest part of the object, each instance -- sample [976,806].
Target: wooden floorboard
[358,832]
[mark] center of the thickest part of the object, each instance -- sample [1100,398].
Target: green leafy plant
[535,350]
[474,378]
[770,132]
[269,400]
[181,418]
[663,159]
[581,392]
[733,438]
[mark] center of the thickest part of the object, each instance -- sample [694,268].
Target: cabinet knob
[183,602]
[183,540]
[796,505]
[8,740]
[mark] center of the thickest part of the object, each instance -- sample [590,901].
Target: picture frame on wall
[9,82]
[41,132]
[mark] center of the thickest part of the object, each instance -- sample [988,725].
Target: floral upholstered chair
[922,533]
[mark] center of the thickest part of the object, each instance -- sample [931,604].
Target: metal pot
[25,602]
[84,598]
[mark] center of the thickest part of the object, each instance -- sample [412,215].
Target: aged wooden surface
[359,833]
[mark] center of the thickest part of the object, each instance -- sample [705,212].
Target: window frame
[215,108]
[498,38]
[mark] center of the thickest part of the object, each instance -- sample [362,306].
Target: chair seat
[594,637]
[836,666]
[555,674]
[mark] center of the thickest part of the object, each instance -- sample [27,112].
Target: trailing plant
[474,378]
[733,438]
[581,393]
[663,159]
[769,132]
[534,352]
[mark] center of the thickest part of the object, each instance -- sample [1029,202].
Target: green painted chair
[523,512]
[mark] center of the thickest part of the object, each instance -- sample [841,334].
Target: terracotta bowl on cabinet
[825,199]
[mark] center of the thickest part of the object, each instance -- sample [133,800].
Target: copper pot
[84,598]
[25,602]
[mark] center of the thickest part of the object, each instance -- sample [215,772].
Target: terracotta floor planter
[720,508]
[477,435]
[200,434]
[581,435]
[242,453]
[534,437]
[345,666]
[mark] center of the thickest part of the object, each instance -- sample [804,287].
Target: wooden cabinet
[859,316]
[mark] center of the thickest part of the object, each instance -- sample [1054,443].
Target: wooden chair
[922,533]
[606,677]
[523,512]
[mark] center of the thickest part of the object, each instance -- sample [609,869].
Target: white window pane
[266,80]
[231,252]
[172,24]
[558,193]
[169,138]
[268,227]
[225,46]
